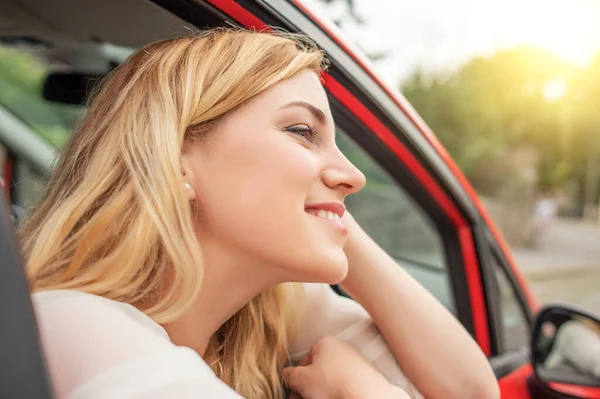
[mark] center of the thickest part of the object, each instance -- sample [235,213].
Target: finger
[308,358]
[297,379]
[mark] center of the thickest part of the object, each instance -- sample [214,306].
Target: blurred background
[512,89]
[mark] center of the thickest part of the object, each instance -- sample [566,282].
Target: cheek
[276,177]
[252,184]
[253,200]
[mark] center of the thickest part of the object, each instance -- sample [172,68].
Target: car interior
[81,46]
[63,55]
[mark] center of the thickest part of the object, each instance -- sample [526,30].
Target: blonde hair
[115,220]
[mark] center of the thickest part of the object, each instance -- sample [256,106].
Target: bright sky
[442,34]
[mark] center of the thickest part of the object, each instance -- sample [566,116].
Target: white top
[97,348]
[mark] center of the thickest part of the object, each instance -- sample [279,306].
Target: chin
[332,270]
[338,277]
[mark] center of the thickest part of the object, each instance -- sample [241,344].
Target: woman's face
[270,184]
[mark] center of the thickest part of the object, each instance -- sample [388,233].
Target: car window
[515,327]
[22,76]
[398,224]
[28,184]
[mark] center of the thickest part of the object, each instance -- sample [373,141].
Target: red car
[417,204]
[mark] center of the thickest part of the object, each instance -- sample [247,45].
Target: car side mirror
[565,350]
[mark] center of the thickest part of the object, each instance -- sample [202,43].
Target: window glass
[22,76]
[29,184]
[515,327]
[23,71]
[398,224]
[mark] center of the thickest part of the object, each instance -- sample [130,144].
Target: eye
[308,132]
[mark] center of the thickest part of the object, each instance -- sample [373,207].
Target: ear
[187,173]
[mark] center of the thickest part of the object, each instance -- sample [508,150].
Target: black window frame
[503,360]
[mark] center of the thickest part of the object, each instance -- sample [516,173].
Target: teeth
[323,214]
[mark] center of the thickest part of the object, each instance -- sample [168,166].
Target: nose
[342,175]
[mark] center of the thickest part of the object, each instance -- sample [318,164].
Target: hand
[351,224]
[336,370]
[357,243]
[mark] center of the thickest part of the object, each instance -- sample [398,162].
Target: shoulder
[79,320]
[78,307]
[88,338]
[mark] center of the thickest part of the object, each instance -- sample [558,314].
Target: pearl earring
[187,185]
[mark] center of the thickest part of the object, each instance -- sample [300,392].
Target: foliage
[491,107]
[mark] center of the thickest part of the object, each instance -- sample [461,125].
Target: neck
[228,285]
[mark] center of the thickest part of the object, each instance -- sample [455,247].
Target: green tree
[491,107]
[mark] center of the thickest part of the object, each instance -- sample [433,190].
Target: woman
[204,178]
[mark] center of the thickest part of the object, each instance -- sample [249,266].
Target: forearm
[383,391]
[435,351]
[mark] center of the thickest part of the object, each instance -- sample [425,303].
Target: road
[565,265]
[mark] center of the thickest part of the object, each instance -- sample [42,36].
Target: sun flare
[561,27]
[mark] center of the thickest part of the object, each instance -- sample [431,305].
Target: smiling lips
[331,213]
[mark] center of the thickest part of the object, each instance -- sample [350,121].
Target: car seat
[23,373]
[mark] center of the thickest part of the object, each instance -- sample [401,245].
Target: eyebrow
[316,112]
